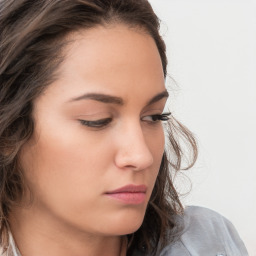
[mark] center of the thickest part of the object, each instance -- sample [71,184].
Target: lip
[129,194]
[129,189]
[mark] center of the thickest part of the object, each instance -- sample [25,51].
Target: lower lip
[129,198]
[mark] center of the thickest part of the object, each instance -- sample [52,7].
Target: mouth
[129,194]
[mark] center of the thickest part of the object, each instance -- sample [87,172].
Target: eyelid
[96,115]
[100,123]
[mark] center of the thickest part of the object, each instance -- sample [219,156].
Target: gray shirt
[206,233]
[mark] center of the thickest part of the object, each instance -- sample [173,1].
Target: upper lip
[129,189]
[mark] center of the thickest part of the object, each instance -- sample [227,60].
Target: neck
[36,235]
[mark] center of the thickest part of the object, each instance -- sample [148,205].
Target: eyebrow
[158,97]
[105,98]
[100,97]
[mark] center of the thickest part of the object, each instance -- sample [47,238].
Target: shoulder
[206,232]
[203,219]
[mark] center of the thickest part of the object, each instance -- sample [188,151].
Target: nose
[132,150]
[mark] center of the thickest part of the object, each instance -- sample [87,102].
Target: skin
[69,166]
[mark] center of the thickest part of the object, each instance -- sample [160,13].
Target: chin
[129,229]
[124,230]
[123,225]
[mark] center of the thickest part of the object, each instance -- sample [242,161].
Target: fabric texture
[206,233]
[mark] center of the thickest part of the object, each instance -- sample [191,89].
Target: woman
[84,168]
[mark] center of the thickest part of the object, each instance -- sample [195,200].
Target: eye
[101,123]
[156,118]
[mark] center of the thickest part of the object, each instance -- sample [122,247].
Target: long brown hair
[32,35]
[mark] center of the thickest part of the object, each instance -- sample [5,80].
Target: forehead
[114,60]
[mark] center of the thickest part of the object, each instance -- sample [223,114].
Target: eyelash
[160,117]
[104,122]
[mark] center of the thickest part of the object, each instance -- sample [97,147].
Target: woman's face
[94,133]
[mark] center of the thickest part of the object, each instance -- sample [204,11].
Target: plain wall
[212,56]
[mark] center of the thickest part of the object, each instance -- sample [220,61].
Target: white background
[212,56]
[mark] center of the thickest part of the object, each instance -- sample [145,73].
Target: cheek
[64,162]
[156,142]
